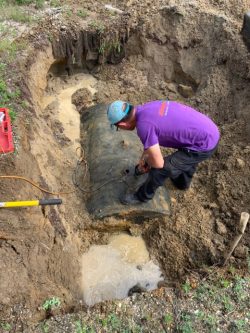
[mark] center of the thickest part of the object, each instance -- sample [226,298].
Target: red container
[6,139]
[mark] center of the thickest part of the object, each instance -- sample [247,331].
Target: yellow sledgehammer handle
[42,202]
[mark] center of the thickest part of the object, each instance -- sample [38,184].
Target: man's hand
[141,168]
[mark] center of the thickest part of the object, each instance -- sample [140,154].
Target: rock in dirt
[240,163]
[185,91]
[241,251]
[220,228]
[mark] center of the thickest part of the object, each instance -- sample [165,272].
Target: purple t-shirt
[174,125]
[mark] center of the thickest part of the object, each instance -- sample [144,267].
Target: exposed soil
[190,52]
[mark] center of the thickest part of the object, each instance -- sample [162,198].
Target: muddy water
[110,271]
[65,111]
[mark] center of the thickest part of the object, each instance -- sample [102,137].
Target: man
[167,124]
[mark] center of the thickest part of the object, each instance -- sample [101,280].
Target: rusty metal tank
[112,156]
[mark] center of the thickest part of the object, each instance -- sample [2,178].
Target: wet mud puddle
[113,271]
[58,99]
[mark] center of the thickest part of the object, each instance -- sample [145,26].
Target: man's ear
[123,125]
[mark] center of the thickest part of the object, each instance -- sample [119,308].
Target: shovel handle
[45,202]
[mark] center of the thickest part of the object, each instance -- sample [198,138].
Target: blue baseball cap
[116,111]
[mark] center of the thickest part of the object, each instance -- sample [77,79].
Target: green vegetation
[82,13]
[44,327]
[51,304]
[108,46]
[12,115]
[9,48]
[5,326]
[38,3]
[68,12]
[97,25]
[186,287]
[82,328]
[55,3]
[7,97]
[185,325]
[15,13]
[168,319]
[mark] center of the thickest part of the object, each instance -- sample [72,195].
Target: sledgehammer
[42,202]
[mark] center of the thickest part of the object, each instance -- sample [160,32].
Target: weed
[12,115]
[16,14]
[10,49]
[241,325]
[104,322]
[82,13]
[97,26]
[82,328]
[186,287]
[108,46]
[79,327]
[51,303]
[8,46]
[24,104]
[210,321]
[68,12]
[39,3]
[114,321]
[137,329]
[55,3]
[224,283]
[168,319]
[45,327]
[185,325]
[6,327]
[238,288]
[5,95]
[2,67]
[227,303]
[50,37]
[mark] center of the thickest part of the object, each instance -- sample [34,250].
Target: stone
[240,163]
[220,228]
[171,87]
[185,91]
[241,251]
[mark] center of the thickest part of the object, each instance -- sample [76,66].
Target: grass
[15,13]
[219,299]
[9,50]
[186,287]
[38,3]
[82,13]
[6,96]
[55,3]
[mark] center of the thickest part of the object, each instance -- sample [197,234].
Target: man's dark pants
[179,167]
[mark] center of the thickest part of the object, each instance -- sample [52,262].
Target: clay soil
[190,52]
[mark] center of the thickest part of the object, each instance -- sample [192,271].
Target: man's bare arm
[153,157]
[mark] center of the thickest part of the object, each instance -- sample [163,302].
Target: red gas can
[6,139]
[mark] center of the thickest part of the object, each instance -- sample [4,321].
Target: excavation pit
[181,54]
